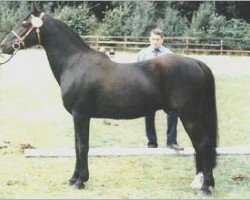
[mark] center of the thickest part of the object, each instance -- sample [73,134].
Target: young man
[156,49]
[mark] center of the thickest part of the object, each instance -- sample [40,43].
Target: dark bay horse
[93,86]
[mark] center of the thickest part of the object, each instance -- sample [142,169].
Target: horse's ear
[34,10]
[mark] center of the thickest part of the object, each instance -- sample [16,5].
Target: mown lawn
[120,177]
[32,115]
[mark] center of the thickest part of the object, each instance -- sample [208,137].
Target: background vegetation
[223,19]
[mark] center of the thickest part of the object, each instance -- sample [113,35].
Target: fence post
[125,43]
[221,47]
[187,42]
[97,42]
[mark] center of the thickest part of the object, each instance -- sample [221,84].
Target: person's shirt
[149,52]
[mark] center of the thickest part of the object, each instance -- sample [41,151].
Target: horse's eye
[24,24]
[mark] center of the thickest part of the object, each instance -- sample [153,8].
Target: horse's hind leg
[205,152]
[81,173]
[208,161]
[198,179]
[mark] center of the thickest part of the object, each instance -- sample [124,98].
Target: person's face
[155,41]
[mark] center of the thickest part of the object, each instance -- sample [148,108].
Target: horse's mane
[74,37]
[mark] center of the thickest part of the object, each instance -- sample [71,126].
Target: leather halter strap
[16,46]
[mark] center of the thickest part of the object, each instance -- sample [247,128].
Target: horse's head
[25,34]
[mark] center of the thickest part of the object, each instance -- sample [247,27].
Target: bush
[172,24]
[201,20]
[142,19]
[217,26]
[78,18]
[237,28]
[114,21]
[129,18]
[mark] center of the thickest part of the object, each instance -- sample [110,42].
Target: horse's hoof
[78,185]
[72,181]
[205,192]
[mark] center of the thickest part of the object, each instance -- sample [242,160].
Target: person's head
[156,38]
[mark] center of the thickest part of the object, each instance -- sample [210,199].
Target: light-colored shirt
[149,52]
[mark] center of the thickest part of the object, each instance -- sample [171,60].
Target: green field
[32,115]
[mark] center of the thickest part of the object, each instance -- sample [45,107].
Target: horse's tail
[209,109]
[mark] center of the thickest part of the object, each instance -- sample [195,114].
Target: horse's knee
[83,147]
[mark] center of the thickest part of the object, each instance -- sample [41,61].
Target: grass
[31,114]
[120,177]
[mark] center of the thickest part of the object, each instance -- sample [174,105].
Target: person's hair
[157,31]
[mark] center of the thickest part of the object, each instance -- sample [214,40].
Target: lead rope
[14,53]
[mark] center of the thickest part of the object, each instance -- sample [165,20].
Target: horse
[93,86]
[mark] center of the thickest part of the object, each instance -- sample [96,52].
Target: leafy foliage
[138,18]
[79,18]
[237,28]
[172,24]
[201,20]
[217,25]
[142,19]
[114,21]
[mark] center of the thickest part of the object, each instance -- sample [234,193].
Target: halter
[16,46]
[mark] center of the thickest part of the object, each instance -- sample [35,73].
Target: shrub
[78,18]
[142,19]
[114,21]
[201,20]
[237,28]
[172,24]
[217,26]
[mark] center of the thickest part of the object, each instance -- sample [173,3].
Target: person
[157,49]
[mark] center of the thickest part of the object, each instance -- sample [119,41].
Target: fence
[177,44]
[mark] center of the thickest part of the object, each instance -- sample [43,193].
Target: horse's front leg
[81,173]
[75,175]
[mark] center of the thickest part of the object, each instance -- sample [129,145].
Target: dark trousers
[171,134]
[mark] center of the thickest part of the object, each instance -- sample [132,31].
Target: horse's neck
[61,46]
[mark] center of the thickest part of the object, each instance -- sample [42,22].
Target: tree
[233,9]
[172,24]
[114,20]
[201,20]
[186,8]
[142,19]
[78,18]
[133,18]
[217,26]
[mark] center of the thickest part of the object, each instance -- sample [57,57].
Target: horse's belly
[127,110]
